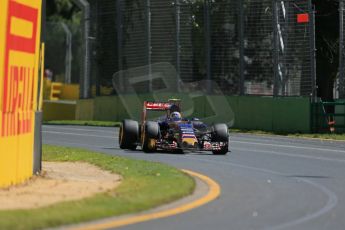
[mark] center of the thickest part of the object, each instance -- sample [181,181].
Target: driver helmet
[175,116]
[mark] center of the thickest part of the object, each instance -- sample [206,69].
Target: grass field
[145,185]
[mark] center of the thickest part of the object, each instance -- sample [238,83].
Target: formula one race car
[173,133]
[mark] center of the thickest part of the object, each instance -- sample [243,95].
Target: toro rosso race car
[172,132]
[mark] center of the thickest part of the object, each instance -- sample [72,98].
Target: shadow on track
[162,152]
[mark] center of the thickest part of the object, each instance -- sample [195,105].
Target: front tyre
[220,134]
[223,151]
[129,134]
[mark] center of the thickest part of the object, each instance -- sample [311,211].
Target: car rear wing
[173,104]
[156,106]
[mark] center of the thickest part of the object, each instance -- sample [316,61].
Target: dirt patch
[59,182]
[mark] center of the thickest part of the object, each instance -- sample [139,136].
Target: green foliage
[327,45]
[145,185]
[62,10]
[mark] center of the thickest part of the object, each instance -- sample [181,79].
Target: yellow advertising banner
[20,32]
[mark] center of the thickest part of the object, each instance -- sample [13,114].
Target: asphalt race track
[267,182]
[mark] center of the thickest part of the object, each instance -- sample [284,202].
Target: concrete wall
[288,114]
[247,112]
[85,110]
[109,109]
[340,120]
[272,114]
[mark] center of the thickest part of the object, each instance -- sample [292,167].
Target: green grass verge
[145,185]
[89,123]
[328,136]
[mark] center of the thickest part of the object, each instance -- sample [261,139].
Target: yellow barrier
[55,92]
[70,92]
[20,26]
[59,110]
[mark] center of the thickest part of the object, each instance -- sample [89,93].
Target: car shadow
[163,152]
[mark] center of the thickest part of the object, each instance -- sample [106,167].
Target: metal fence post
[85,80]
[94,26]
[37,151]
[207,19]
[178,42]
[37,161]
[149,46]
[241,43]
[68,57]
[119,29]
[275,49]
[312,50]
[341,86]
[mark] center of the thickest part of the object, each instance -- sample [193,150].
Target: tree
[327,40]
[61,10]
[65,11]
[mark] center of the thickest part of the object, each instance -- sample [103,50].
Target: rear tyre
[129,134]
[149,136]
[221,134]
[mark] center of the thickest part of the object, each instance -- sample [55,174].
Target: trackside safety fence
[246,47]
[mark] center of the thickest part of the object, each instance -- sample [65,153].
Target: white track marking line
[287,138]
[331,203]
[78,134]
[76,129]
[289,146]
[115,137]
[75,145]
[232,141]
[290,155]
